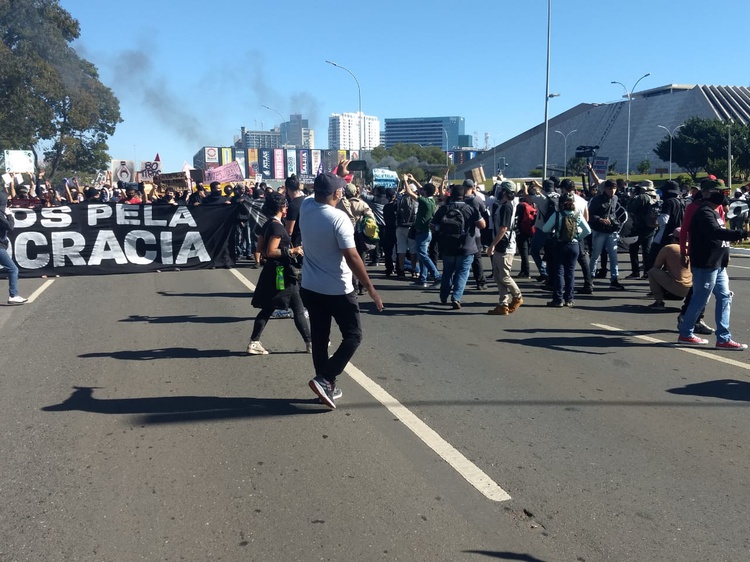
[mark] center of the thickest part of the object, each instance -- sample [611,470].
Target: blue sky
[189,74]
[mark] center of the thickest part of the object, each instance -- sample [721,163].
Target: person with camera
[605,228]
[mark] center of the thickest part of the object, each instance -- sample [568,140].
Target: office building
[445,132]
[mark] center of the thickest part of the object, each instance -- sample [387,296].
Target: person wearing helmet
[503,247]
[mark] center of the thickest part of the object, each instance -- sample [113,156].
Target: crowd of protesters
[553,225]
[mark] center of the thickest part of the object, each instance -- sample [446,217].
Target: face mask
[716,198]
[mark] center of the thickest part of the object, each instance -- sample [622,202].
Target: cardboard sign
[18,161]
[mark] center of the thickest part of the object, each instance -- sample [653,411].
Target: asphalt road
[134,427]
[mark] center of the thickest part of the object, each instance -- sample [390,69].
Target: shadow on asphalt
[506,555]
[726,389]
[183,319]
[173,353]
[239,294]
[184,409]
[574,340]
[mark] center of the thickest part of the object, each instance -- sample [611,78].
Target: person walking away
[456,224]
[405,216]
[567,227]
[7,223]
[545,201]
[643,210]
[477,270]
[670,217]
[327,287]
[709,257]
[568,187]
[278,283]
[426,206]
[356,210]
[525,218]
[502,248]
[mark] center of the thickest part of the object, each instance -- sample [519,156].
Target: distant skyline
[189,75]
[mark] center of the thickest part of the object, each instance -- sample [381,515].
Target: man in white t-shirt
[327,286]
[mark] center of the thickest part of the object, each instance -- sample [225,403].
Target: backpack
[407,211]
[366,232]
[567,228]
[452,232]
[527,219]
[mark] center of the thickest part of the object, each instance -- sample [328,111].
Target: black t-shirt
[275,228]
[471,217]
[292,214]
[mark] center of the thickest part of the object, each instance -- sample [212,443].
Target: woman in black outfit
[278,284]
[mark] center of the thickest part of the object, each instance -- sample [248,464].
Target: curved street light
[671,136]
[565,149]
[629,95]
[283,144]
[360,117]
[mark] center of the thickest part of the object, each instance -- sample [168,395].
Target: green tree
[51,97]
[420,161]
[701,144]
[577,166]
[644,167]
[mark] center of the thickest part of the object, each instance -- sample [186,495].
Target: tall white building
[344,131]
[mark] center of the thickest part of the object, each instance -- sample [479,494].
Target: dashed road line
[691,350]
[471,472]
[244,280]
[40,290]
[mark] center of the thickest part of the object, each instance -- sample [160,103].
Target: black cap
[326,184]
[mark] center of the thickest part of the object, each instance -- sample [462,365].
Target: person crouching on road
[327,286]
[503,247]
[669,274]
[278,286]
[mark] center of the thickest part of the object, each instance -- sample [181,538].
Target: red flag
[157,159]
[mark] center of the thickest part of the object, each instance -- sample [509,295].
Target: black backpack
[407,211]
[452,232]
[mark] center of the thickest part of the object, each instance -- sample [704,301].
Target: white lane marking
[40,290]
[693,351]
[244,280]
[471,472]
[739,266]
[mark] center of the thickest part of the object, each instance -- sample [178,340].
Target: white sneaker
[18,299]
[256,348]
[281,313]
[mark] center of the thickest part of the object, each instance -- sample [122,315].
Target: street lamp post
[360,117]
[447,158]
[729,154]
[565,148]
[283,144]
[547,95]
[629,94]
[671,136]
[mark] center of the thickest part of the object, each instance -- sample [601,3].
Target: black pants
[583,261]
[645,239]
[344,309]
[300,320]
[523,243]
[387,243]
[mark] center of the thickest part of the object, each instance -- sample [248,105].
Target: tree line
[51,99]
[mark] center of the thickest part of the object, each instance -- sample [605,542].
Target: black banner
[109,238]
